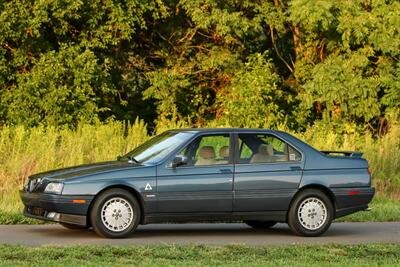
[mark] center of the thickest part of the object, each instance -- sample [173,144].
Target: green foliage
[345,86]
[254,98]
[200,62]
[64,61]
[314,16]
[62,88]
[350,51]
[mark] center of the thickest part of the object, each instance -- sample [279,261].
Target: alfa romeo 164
[260,177]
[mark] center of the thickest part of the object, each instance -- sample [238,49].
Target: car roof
[226,130]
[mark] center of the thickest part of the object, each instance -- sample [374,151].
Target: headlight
[55,188]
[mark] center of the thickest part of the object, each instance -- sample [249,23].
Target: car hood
[86,169]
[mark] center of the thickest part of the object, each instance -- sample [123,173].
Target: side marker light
[79,201]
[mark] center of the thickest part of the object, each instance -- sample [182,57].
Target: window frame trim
[237,152]
[232,149]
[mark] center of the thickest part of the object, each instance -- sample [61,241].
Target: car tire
[260,224]
[311,213]
[74,226]
[115,214]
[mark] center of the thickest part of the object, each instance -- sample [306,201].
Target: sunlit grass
[382,210]
[191,255]
[26,151]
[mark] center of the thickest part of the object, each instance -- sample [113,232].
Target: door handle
[226,171]
[295,168]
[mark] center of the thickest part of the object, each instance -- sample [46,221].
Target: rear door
[267,174]
[202,185]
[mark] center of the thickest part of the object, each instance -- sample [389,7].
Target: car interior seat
[206,156]
[224,155]
[265,154]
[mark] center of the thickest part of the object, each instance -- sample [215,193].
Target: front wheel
[115,213]
[311,213]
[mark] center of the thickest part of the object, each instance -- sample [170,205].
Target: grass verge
[232,255]
[382,210]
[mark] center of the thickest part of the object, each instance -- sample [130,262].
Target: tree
[63,61]
[255,98]
[200,62]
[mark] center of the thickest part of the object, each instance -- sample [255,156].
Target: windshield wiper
[130,158]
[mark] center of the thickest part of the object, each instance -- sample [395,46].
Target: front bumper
[57,208]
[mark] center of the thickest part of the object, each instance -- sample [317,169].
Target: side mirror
[178,161]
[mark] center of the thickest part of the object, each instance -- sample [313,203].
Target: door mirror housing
[179,160]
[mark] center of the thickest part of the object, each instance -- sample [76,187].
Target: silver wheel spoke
[312,213]
[117,214]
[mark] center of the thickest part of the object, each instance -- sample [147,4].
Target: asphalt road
[211,234]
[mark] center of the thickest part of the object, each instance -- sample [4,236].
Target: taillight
[369,171]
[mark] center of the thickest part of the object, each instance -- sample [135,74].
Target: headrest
[207,152]
[224,152]
[266,149]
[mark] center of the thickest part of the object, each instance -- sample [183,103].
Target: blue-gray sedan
[261,177]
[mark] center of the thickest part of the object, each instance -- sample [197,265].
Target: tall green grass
[24,151]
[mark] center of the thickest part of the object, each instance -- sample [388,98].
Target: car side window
[207,150]
[265,148]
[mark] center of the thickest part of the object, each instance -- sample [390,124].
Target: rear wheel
[74,226]
[115,213]
[260,224]
[311,213]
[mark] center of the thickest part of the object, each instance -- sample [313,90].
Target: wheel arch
[130,189]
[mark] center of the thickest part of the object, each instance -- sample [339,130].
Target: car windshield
[157,147]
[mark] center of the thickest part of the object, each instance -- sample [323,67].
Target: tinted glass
[264,148]
[158,147]
[207,150]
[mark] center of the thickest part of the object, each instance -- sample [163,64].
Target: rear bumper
[57,208]
[350,200]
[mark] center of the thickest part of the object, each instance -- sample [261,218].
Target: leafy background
[239,63]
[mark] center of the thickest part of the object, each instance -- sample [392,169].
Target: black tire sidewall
[95,213]
[293,219]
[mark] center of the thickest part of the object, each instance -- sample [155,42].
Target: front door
[267,173]
[203,184]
